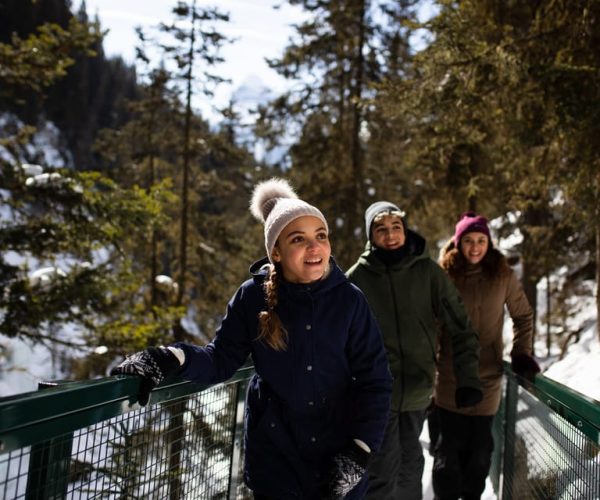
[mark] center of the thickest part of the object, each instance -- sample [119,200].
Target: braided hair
[271,329]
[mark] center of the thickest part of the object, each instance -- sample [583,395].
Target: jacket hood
[259,270]
[417,250]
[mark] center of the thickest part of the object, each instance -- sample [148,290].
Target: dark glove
[152,364]
[349,466]
[433,425]
[525,366]
[467,396]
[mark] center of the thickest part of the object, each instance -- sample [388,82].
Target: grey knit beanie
[275,203]
[380,207]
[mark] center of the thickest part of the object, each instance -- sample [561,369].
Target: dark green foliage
[166,142]
[339,53]
[34,62]
[499,116]
[63,235]
[82,220]
[22,17]
[61,54]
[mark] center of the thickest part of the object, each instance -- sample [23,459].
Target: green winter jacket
[410,299]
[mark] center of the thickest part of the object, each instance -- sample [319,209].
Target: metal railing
[86,440]
[547,442]
[89,440]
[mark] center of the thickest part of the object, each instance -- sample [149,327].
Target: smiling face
[474,246]
[387,232]
[303,250]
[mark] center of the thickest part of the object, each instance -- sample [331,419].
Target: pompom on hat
[470,222]
[275,203]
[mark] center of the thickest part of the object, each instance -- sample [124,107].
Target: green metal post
[510,424]
[48,475]
[238,436]
[498,435]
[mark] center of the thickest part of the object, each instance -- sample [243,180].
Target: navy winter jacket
[304,404]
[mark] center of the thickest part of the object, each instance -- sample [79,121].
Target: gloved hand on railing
[467,396]
[348,468]
[525,366]
[153,365]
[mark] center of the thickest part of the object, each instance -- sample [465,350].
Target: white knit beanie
[275,203]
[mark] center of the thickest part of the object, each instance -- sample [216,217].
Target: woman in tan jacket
[486,283]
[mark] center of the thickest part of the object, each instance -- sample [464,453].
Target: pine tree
[90,93]
[62,234]
[34,63]
[201,44]
[168,141]
[333,62]
[141,154]
[495,106]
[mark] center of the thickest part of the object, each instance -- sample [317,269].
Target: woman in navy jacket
[317,405]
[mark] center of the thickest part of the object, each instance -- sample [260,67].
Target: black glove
[433,425]
[467,396]
[349,466]
[152,364]
[525,366]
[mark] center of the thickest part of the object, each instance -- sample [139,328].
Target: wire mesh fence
[88,441]
[547,444]
[182,448]
[552,458]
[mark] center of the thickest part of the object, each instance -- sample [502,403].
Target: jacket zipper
[396,320]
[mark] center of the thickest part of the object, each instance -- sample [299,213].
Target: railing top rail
[36,416]
[580,410]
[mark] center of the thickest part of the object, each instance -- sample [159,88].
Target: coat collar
[417,250]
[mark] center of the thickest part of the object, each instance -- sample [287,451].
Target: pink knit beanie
[470,222]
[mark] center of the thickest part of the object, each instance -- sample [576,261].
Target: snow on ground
[23,366]
[579,368]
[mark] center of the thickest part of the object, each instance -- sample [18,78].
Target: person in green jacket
[411,298]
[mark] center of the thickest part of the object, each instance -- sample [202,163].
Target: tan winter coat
[485,297]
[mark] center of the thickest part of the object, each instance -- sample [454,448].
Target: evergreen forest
[124,215]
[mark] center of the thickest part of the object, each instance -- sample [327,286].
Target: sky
[260,31]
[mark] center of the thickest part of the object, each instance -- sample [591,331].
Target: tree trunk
[597,226]
[151,180]
[548,314]
[531,271]
[186,171]
[176,433]
[530,289]
[357,164]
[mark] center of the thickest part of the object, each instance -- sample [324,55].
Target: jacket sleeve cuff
[362,445]
[179,354]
